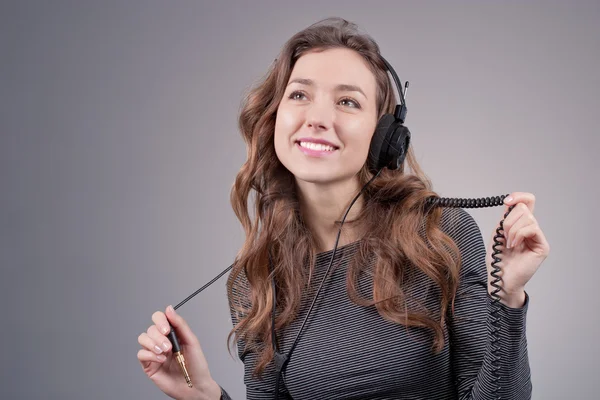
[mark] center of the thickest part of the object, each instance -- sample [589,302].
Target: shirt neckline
[328,253]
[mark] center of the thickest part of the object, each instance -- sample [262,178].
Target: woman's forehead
[334,67]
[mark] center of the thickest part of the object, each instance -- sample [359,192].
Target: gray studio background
[119,146]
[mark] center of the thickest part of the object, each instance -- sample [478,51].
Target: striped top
[350,352]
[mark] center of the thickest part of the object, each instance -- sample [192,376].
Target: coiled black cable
[495,313]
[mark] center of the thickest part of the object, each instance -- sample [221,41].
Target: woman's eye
[353,103]
[294,95]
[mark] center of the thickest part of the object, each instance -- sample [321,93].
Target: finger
[520,197]
[536,237]
[149,344]
[160,320]
[512,218]
[145,356]
[525,219]
[159,339]
[183,330]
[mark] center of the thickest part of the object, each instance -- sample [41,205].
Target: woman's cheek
[286,121]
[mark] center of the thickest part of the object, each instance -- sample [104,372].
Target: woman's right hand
[162,368]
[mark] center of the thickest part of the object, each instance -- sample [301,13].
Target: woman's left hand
[523,252]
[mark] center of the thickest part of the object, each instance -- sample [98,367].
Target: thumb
[183,330]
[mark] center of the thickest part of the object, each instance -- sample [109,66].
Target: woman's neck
[322,205]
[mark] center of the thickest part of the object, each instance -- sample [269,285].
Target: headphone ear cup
[380,141]
[399,143]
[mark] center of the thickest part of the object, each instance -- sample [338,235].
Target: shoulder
[237,278]
[464,231]
[239,293]
[461,227]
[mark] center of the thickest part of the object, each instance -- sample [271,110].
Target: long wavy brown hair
[393,211]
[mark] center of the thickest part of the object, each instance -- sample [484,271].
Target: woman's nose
[319,116]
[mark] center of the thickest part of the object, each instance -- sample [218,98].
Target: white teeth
[316,146]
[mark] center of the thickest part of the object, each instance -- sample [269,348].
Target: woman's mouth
[315,149]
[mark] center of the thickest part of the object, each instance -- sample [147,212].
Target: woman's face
[327,116]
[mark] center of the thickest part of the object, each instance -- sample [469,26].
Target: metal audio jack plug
[178,354]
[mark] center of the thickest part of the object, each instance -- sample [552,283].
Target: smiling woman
[405,313]
[309,127]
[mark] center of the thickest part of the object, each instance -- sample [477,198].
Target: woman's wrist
[209,390]
[514,299]
[213,391]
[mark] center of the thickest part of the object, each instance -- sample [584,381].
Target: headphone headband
[400,112]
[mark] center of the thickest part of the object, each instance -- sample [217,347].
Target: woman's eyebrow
[341,87]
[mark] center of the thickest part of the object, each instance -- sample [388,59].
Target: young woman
[405,312]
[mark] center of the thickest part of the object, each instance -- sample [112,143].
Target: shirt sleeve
[224,395]
[256,388]
[470,329]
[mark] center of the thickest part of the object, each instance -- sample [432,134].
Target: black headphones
[391,139]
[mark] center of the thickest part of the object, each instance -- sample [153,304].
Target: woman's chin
[319,177]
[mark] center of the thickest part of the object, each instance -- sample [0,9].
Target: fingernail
[508,200]
[161,357]
[171,309]
[157,349]
[165,346]
[165,329]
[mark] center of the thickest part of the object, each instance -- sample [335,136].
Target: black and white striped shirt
[350,352]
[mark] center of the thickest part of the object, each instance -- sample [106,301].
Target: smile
[315,149]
